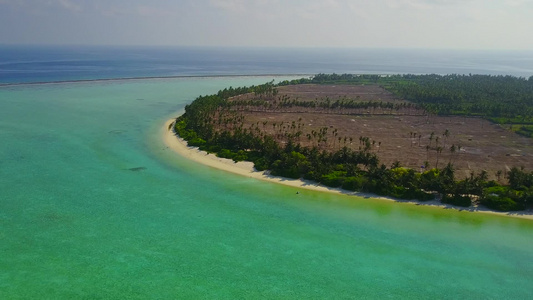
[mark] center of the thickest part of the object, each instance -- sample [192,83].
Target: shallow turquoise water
[76,222]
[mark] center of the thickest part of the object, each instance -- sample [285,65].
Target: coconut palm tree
[439,151]
[431,138]
[452,151]
[446,134]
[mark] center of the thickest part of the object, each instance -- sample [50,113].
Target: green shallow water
[77,222]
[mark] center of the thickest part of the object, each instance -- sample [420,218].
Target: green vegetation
[505,100]
[211,124]
[525,130]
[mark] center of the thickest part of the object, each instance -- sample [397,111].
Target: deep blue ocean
[94,205]
[20,64]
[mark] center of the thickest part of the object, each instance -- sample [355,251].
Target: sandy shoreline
[180,146]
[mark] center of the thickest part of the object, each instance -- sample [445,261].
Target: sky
[439,24]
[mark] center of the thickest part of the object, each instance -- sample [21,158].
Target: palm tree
[452,150]
[439,151]
[499,174]
[446,134]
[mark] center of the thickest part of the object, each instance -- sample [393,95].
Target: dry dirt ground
[400,135]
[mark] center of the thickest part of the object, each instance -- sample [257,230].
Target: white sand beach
[180,146]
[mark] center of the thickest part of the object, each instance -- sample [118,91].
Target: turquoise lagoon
[93,206]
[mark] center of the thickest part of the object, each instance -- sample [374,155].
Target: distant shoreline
[145,78]
[245,168]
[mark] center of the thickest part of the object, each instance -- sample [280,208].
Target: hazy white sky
[462,24]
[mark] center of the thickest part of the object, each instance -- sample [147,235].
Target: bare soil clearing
[403,134]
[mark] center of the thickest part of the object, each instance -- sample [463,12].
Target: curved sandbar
[245,168]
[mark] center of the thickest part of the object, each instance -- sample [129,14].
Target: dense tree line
[504,98]
[501,99]
[342,105]
[210,123]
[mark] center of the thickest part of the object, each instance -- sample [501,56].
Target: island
[461,140]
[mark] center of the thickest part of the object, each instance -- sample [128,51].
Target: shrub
[214,149]
[291,172]
[196,142]
[225,153]
[399,192]
[377,187]
[458,200]
[353,183]
[240,156]
[311,175]
[279,168]
[334,179]
[412,194]
[420,195]
[501,203]
[261,164]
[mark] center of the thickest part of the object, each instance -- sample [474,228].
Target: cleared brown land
[399,134]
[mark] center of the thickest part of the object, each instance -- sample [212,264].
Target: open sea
[93,205]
